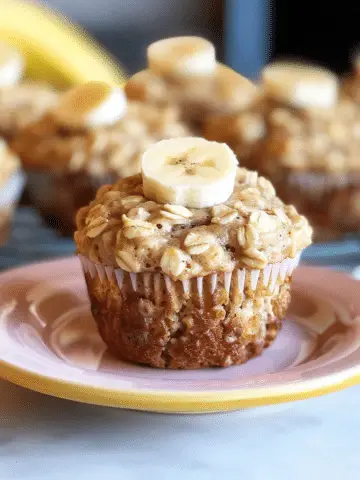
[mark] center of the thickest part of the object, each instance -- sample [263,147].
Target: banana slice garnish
[300,85]
[12,65]
[182,57]
[94,104]
[190,171]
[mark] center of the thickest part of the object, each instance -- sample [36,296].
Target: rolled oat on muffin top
[127,226]
[189,265]
[94,129]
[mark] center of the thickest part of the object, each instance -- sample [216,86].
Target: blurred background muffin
[93,136]
[184,72]
[310,148]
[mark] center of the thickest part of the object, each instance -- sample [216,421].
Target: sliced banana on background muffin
[191,172]
[91,105]
[182,57]
[183,72]
[300,85]
[12,65]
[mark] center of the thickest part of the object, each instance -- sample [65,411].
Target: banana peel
[56,51]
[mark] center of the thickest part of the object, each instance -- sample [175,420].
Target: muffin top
[130,225]
[95,129]
[9,163]
[297,101]
[183,71]
[296,140]
[307,127]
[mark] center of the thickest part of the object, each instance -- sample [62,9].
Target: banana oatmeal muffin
[310,148]
[183,71]
[11,185]
[21,101]
[189,264]
[93,136]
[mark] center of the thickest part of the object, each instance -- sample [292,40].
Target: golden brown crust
[252,229]
[46,145]
[182,332]
[23,104]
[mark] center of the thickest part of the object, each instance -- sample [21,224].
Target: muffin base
[215,321]
[58,196]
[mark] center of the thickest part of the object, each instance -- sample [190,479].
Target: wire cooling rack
[31,242]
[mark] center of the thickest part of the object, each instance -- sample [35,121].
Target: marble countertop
[46,438]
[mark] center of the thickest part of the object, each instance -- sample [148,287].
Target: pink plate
[49,343]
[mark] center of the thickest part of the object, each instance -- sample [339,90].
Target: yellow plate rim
[177,402]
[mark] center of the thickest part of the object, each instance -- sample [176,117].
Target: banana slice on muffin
[300,85]
[94,104]
[182,57]
[191,172]
[183,72]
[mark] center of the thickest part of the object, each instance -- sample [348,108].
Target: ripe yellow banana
[56,51]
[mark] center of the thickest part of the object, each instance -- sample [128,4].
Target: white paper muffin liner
[10,193]
[233,282]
